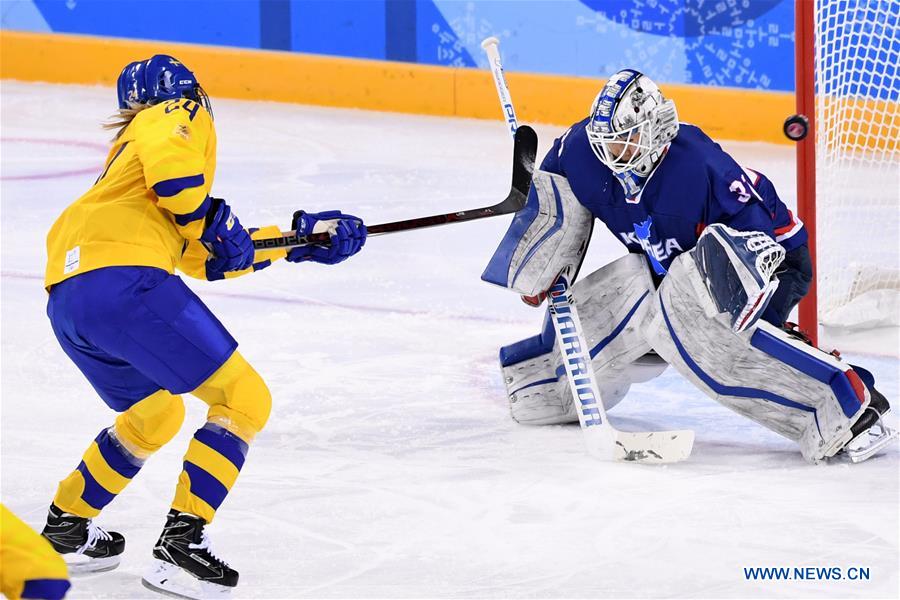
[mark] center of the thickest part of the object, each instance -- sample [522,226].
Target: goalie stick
[524,152]
[602,439]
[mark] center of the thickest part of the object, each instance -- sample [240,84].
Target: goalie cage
[848,168]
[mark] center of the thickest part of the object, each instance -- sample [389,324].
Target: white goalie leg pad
[550,233]
[796,390]
[612,303]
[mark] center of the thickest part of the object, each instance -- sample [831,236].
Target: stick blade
[525,148]
[656,447]
[524,155]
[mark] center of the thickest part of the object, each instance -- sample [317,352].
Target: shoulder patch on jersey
[181,119]
[182,131]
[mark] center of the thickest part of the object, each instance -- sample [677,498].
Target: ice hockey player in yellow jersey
[142,338]
[29,566]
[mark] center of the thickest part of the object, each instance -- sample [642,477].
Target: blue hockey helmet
[157,79]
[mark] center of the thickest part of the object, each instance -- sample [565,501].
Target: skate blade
[79,565]
[170,580]
[868,444]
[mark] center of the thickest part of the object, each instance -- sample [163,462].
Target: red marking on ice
[54,142]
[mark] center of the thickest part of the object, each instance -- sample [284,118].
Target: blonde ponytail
[123,117]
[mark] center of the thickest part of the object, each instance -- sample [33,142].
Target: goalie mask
[631,124]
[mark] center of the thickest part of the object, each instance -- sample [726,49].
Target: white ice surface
[390,466]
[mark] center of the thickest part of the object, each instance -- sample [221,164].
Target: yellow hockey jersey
[28,563]
[148,206]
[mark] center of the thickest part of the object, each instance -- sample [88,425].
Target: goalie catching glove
[348,235]
[737,268]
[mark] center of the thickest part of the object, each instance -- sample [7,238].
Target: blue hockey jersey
[695,183]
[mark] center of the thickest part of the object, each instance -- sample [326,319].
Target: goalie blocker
[548,235]
[704,320]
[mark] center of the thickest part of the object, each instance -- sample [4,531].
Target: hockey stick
[524,152]
[602,439]
[491,47]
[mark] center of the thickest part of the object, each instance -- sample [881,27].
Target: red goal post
[804,58]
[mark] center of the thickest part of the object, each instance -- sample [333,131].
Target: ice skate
[184,565]
[870,432]
[86,547]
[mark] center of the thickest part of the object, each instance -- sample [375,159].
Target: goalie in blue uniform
[716,263]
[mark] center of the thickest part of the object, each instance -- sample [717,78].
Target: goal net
[857,173]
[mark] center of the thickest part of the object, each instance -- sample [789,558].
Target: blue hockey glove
[229,244]
[348,235]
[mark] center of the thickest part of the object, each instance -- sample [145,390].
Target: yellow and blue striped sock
[105,469]
[211,466]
